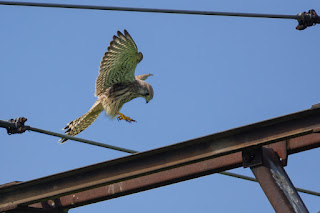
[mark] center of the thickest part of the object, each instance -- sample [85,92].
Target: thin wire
[81,140]
[148,10]
[255,180]
[6,124]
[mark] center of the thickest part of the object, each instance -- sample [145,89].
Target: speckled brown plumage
[116,83]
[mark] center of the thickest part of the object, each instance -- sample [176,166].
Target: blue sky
[210,74]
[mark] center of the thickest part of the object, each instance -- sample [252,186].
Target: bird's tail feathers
[78,125]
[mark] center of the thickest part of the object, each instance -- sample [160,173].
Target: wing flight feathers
[118,63]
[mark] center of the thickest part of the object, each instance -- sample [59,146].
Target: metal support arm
[275,182]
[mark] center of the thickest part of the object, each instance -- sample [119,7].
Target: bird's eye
[147,94]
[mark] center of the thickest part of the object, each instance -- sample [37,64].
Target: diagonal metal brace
[276,184]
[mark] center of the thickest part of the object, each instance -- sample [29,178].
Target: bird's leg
[123,117]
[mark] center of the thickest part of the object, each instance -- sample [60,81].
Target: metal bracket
[307,19]
[252,157]
[281,150]
[19,126]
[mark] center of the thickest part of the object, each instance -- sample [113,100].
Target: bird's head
[149,95]
[146,91]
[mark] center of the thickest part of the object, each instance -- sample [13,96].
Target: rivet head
[51,203]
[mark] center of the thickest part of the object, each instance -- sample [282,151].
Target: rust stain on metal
[304,143]
[152,181]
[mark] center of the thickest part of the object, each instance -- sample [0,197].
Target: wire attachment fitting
[19,126]
[307,19]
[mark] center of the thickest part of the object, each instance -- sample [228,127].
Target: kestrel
[116,84]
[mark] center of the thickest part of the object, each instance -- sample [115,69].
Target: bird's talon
[123,117]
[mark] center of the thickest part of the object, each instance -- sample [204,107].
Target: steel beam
[35,210]
[276,184]
[163,166]
[146,182]
[174,175]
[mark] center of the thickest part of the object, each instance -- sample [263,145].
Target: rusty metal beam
[161,178]
[35,210]
[146,182]
[155,180]
[163,166]
[276,184]
[303,143]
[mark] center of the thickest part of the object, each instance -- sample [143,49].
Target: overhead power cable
[255,180]
[17,126]
[305,19]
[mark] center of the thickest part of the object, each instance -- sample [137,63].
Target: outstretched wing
[118,63]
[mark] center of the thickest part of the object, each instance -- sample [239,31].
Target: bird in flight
[116,84]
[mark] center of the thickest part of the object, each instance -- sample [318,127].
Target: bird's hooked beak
[147,101]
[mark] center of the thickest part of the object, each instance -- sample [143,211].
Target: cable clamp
[307,19]
[19,126]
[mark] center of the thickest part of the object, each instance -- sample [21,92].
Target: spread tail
[75,127]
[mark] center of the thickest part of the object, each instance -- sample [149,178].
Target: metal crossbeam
[178,162]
